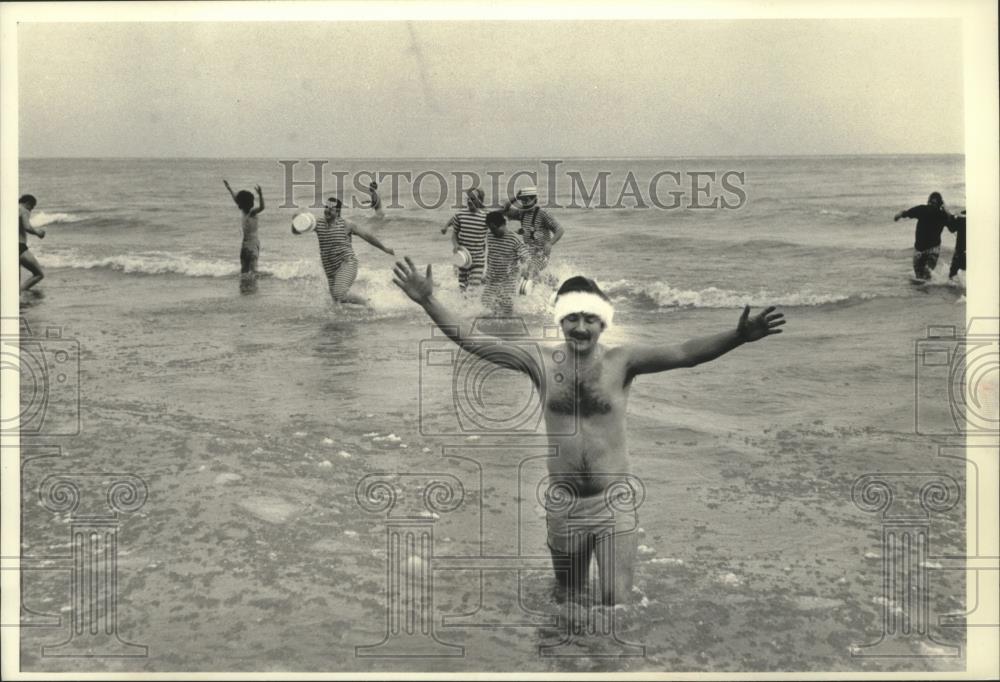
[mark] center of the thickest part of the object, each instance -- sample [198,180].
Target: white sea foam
[162,263]
[663,295]
[385,298]
[40,218]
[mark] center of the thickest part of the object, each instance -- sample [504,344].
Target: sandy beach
[253,553]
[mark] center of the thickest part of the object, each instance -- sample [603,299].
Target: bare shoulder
[617,358]
[618,353]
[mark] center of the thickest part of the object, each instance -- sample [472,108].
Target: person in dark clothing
[931,220]
[957,225]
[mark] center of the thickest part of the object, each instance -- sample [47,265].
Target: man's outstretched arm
[370,237]
[420,288]
[649,359]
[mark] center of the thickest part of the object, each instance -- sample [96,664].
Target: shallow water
[253,419]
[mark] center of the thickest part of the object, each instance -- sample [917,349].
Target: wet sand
[252,553]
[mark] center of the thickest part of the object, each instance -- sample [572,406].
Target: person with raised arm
[540,230]
[584,388]
[931,220]
[250,246]
[337,253]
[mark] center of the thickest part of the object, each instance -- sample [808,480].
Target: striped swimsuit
[470,232]
[504,257]
[537,226]
[339,261]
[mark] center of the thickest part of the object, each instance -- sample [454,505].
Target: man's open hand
[759,326]
[418,287]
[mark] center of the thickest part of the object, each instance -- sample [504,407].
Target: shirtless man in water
[25,205]
[585,398]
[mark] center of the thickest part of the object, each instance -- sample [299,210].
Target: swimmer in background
[337,253]
[506,263]
[375,201]
[250,247]
[956,225]
[469,231]
[584,389]
[25,205]
[541,231]
[931,220]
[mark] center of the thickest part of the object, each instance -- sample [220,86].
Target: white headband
[583,302]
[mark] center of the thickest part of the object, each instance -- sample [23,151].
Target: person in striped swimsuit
[335,250]
[506,256]
[469,230]
[541,231]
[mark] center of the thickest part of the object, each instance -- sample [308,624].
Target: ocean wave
[41,218]
[373,282]
[161,263]
[660,295]
[853,215]
[376,283]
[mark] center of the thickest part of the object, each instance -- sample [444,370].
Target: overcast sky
[536,89]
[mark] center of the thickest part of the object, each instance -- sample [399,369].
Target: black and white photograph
[388,339]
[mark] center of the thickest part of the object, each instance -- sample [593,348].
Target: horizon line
[552,157]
